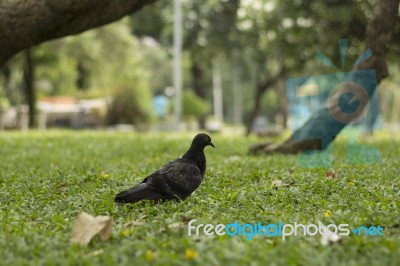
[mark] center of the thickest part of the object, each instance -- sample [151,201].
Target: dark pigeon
[175,180]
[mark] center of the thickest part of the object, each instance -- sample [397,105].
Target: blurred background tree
[257,44]
[194,106]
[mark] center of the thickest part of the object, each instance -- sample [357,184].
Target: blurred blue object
[160,105]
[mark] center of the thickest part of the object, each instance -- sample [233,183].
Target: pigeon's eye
[206,139]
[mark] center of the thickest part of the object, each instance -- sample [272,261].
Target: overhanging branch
[25,23]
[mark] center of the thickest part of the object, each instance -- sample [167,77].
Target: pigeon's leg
[158,201]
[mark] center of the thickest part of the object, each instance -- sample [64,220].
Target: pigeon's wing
[177,179]
[158,171]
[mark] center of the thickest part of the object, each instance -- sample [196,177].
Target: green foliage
[107,57]
[10,80]
[131,105]
[158,63]
[55,70]
[194,106]
[389,96]
[259,37]
[207,34]
[48,179]
[4,103]
[270,104]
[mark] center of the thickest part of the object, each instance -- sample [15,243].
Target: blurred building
[72,113]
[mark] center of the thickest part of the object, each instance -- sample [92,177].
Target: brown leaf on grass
[329,237]
[172,227]
[86,227]
[176,225]
[332,174]
[95,253]
[133,223]
[277,183]
[185,219]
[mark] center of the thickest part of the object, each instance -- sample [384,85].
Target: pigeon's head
[202,140]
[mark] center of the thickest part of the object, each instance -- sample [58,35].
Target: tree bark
[29,86]
[321,129]
[261,88]
[6,72]
[198,86]
[283,103]
[25,23]
[82,80]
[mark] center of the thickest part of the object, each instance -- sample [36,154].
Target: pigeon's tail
[140,192]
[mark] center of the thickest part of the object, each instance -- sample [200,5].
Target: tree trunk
[25,23]
[6,71]
[29,86]
[283,103]
[261,88]
[321,129]
[82,80]
[237,95]
[198,87]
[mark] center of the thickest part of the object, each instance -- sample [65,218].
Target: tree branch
[25,23]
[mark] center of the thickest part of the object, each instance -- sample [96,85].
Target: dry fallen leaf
[86,227]
[277,183]
[176,225]
[133,223]
[185,219]
[329,237]
[173,226]
[330,174]
[95,253]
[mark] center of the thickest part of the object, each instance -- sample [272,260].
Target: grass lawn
[46,180]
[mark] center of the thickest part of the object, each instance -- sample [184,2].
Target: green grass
[46,180]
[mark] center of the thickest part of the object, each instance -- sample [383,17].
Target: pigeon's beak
[211,144]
